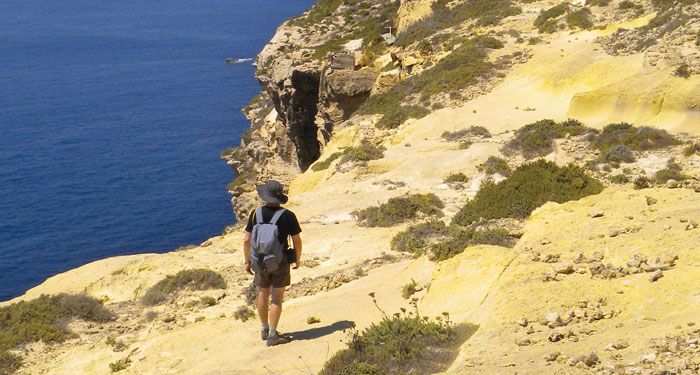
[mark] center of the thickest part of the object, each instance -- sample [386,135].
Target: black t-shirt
[288,224]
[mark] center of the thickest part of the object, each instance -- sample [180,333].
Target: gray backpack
[266,250]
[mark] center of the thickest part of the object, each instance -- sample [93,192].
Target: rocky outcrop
[412,11]
[342,92]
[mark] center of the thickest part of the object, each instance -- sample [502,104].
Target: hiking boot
[277,339]
[264,333]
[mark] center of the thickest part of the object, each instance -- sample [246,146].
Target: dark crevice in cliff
[297,104]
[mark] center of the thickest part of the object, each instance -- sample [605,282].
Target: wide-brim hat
[272,192]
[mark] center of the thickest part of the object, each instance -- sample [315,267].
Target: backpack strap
[276,216]
[258,216]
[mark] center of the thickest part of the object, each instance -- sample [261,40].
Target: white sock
[265,327]
[273,331]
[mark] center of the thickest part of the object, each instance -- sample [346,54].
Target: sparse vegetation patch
[456,177]
[445,15]
[530,186]
[194,279]
[365,151]
[405,343]
[441,242]
[494,165]
[472,131]
[692,149]
[396,116]
[641,138]
[44,319]
[580,18]
[399,209]
[322,165]
[537,139]
[672,172]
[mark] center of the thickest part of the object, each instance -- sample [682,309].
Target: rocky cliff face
[304,96]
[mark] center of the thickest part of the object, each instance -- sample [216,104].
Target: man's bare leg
[262,302]
[276,307]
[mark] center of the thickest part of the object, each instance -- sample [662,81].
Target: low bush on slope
[494,165]
[194,279]
[441,242]
[641,138]
[537,139]
[445,15]
[399,209]
[459,70]
[43,319]
[530,186]
[365,151]
[405,343]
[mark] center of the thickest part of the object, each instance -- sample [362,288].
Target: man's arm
[296,240]
[246,251]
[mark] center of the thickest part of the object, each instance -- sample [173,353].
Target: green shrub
[456,71]
[618,154]
[682,71]
[537,139]
[44,319]
[456,177]
[644,44]
[471,131]
[401,344]
[242,181]
[409,289]
[398,210]
[619,179]
[9,363]
[530,186]
[692,149]
[598,3]
[365,151]
[460,69]
[494,165]
[119,365]
[398,115]
[460,239]
[641,182]
[321,10]
[361,23]
[486,12]
[486,41]
[672,173]
[549,26]
[418,238]
[194,279]
[626,4]
[323,165]
[243,313]
[580,18]
[668,4]
[553,12]
[208,301]
[463,145]
[639,139]
[442,242]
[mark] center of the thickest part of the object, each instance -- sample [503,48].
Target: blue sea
[112,117]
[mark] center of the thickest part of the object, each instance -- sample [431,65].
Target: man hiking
[267,254]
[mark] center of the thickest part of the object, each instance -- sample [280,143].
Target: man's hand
[296,265]
[247,268]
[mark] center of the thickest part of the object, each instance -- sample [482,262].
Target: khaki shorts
[278,279]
